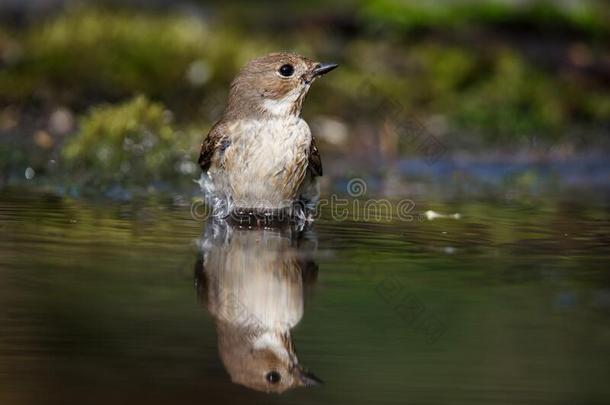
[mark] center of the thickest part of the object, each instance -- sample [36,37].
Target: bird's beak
[307,378]
[323,68]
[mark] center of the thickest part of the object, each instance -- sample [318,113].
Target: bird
[261,156]
[256,296]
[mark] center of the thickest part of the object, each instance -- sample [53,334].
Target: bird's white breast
[265,163]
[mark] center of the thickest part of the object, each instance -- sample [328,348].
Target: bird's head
[266,362]
[273,85]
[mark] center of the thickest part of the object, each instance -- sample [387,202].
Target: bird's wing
[315,162]
[215,141]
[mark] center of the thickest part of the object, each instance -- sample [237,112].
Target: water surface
[104,302]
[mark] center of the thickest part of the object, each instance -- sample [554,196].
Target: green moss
[130,144]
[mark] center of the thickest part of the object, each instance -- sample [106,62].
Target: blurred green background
[116,96]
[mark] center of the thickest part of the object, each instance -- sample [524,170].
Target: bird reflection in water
[253,283]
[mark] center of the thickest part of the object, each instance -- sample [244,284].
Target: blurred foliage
[86,54]
[498,95]
[132,144]
[588,16]
[476,74]
[516,99]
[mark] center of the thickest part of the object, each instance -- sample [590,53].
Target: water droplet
[30,173]
[198,73]
[186,167]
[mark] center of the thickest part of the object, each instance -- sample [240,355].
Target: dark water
[139,303]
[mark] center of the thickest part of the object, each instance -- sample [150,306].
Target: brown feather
[315,162]
[215,140]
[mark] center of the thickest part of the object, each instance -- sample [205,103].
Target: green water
[114,303]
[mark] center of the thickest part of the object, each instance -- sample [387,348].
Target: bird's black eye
[273,377]
[286,70]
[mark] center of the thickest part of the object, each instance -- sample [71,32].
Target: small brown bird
[261,155]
